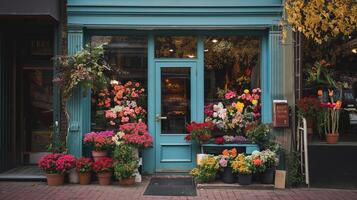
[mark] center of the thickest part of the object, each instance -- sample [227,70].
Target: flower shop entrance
[176,99]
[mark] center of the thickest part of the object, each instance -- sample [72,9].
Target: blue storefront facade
[195,21]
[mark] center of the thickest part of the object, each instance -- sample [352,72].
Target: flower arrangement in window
[135,134]
[200,132]
[99,141]
[122,103]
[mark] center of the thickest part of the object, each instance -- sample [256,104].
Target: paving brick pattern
[40,191]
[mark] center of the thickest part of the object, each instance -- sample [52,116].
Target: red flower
[219,140]
[103,165]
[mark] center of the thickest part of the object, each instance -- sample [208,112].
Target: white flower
[114,82]
[117,109]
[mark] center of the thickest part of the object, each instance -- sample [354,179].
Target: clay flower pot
[127,181]
[85,178]
[98,155]
[332,138]
[104,178]
[55,179]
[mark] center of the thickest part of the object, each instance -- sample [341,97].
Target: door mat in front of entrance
[171,187]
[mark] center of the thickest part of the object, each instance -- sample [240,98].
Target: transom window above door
[175,47]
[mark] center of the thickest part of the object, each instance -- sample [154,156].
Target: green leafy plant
[126,170]
[259,134]
[207,170]
[294,176]
[126,164]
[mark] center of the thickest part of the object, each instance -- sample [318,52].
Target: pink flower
[137,84]
[230,94]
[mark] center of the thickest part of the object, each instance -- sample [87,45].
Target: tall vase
[137,174]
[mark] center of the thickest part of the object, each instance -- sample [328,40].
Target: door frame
[162,140]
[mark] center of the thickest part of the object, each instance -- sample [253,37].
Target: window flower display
[200,132]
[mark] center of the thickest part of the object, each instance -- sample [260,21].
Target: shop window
[175,47]
[231,63]
[127,56]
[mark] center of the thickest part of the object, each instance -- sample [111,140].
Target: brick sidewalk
[40,191]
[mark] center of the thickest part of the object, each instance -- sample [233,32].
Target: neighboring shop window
[127,56]
[175,47]
[231,63]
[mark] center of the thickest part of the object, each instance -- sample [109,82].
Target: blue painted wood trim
[200,79]
[79,104]
[276,65]
[149,154]
[265,80]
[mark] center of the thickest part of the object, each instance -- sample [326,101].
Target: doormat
[171,187]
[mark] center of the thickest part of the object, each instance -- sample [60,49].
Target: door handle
[159,117]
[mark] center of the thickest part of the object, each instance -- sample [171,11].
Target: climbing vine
[321,20]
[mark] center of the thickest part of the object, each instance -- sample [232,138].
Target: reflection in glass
[175,99]
[175,47]
[231,62]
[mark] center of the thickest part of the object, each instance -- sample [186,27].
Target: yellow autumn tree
[321,20]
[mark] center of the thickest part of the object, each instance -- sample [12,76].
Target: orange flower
[257,162]
[234,152]
[338,104]
[330,93]
[225,152]
[319,93]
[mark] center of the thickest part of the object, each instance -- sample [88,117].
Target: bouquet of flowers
[227,157]
[103,165]
[122,102]
[200,132]
[242,164]
[84,165]
[57,163]
[206,172]
[135,134]
[99,141]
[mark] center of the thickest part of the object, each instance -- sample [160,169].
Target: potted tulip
[225,162]
[331,118]
[104,169]
[270,161]
[100,142]
[84,169]
[56,165]
[242,165]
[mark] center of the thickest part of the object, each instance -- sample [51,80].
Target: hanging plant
[321,20]
[86,68]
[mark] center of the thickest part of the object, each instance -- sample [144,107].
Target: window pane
[175,99]
[175,47]
[127,56]
[231,62]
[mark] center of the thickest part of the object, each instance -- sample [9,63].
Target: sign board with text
[280,114]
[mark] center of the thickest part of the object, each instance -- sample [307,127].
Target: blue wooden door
[175,91]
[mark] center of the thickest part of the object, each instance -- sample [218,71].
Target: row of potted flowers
[232,167]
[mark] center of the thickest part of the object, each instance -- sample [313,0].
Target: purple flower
[223,162]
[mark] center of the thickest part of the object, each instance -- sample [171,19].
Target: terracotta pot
[99,154]
[332,138]
[55,179]
[127,181]
[85,178]
[104,178]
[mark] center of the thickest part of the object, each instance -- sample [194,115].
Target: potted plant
[84,169]
[259,134]
[258,166]
[242,165]
[270,161]
[104,169]
[331,119]
[207,170]
[308,108]
[100,142]
[225,162]
[199,132]
[126,164]
[56,165]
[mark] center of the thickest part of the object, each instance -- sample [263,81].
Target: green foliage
[294,176]
[207,170]
[125,163]
[320,75]
[86,68]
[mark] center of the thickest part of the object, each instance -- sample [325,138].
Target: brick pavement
[40,191]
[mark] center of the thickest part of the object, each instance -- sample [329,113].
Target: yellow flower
[239,106]
[246,91]
[254,102]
